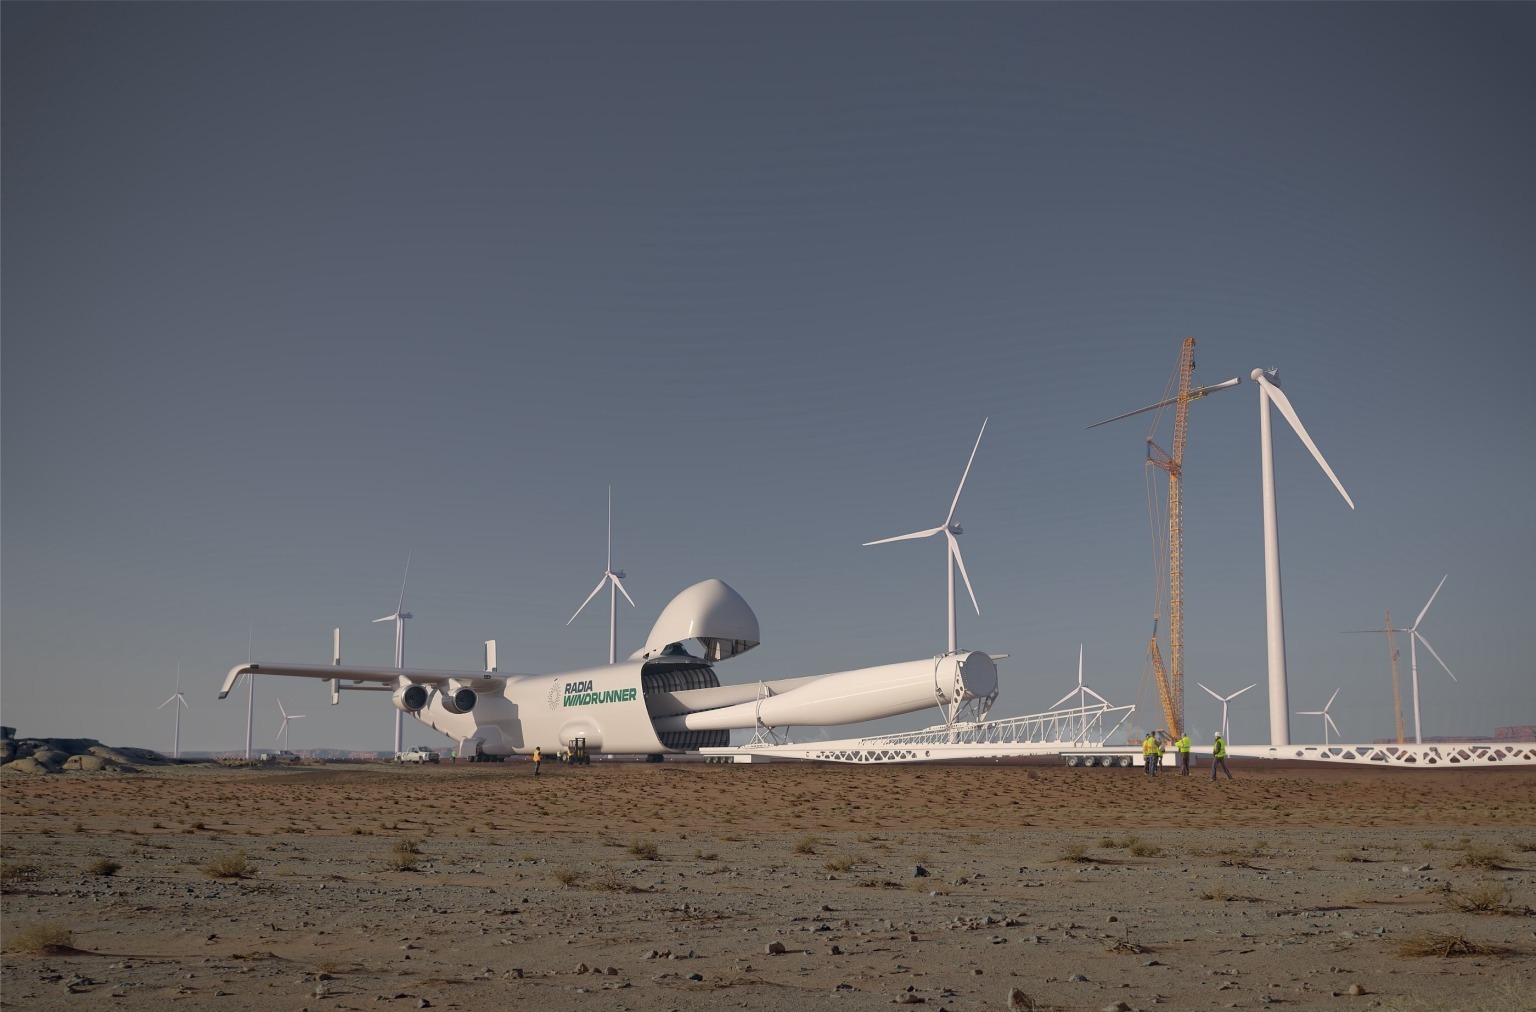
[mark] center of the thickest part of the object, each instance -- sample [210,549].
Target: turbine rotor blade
[1207,689]
[1095,695]
[1331,699]
[600,584]
[166,703]
[905,537]
[1239,692]
[1063,699]
[1431,600]
[956,502]
[954,549]
[620,584]
[401,606]
[1281,401]
[1436,656]
[1332,724]
[387,618]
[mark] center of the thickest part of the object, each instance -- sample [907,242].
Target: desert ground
[692,886]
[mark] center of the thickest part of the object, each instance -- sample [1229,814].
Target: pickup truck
[417,754]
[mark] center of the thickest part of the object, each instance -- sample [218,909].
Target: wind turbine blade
[183,701]
[166,703]
[1138,411]
[1079,664]
[1239,692]
[954,549]
[281,710]
[1331,698]
[1278,398]
[1063,699]
[620,584]
[600,584]
[1435,655]
[401,606]
[1331,724]
[1309,713]
[1431,600]
[956,502]
[1207,689]
[905,537]
[610,526]
[1095,695]
[387,618]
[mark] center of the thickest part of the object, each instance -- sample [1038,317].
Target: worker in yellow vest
[1151,752]
[1219,757]
[1184,745]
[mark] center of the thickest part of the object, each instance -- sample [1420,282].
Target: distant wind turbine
[1327,720]
[398,618]
[1082,691]
[283,731]
[1268,382]
[176,697]
[949,529]
[614,581]
[1224,701]
[1414,638]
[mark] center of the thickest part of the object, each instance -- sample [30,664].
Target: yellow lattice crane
[1170,682]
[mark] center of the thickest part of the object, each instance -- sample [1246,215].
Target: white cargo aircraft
[663,698]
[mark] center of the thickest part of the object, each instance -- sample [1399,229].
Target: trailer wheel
[1074,760]
[1126,761]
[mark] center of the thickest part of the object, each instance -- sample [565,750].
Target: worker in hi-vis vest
[1184,745]
[1219,757]
[1151,752]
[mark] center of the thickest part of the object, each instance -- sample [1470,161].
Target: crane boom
[1170,682]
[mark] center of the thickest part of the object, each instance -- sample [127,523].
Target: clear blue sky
[291,290]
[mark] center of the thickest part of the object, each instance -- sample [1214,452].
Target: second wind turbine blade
[1431,600]
[956,502]
[954,549]
[600,584]
[1436,656]
[620,584]
[1283,403]
[905,537]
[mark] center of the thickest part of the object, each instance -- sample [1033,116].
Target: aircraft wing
[480,681]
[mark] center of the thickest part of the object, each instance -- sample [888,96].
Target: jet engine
[458,700]
[410,698]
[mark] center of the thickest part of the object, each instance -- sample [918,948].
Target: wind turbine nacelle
[461,700]
[410,698]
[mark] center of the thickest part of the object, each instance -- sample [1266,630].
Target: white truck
[417,754]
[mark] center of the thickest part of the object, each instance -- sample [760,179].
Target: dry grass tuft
[229,866]
[104,866]
[568,877]
[806,845]
[1483,898]
[1075,852]
[16,872]
[403,855]
[645,850]
[1447,946]
[1480,856]
[41,938]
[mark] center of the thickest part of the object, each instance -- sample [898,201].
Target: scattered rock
[918,871]
[774,948]
[1356,990]
[1018,1001]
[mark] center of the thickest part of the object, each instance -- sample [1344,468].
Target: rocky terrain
[697,887]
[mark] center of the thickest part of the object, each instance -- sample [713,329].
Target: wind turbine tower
[176,697]
[1268,382]
[1327,718]
[614,581]
[949,529]
[1224,700]
[398,618]
[1414,639]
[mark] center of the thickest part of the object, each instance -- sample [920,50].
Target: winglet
[234,674]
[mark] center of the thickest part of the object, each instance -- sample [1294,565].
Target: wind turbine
[1327,720]
[1414,638]
[250,688]
[949,529]
[398,618]
[1082,691]
[176,697]
[614,580]
[1268,382]
[283,731]
[1224,701]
